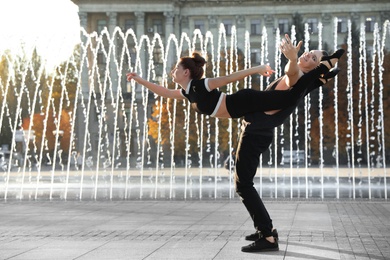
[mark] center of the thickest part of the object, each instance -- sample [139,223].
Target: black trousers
[249,100]
[250,147]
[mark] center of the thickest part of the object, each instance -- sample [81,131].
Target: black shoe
[336,55]
[275,234]
[331,74]
[261,245]
[257,235]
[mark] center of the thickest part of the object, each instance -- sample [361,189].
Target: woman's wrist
[262,68]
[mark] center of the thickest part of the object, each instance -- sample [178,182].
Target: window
[101,24]
[255,56]
[255,27]
[199,24]
[228,26]
[158,26]
[129,24]
[157,55]
[283,26]
[313,25]
[370,22]
[101,59]
[342,25]
[132,53]
[128,87]
[369,53]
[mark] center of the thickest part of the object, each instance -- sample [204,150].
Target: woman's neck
[184,83]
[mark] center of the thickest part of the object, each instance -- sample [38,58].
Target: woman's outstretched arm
[157,89]
[292,71]
[264,70]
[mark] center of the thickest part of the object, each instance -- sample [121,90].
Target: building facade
[145,18]
[184,16]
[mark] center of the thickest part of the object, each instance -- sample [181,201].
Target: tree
[22,77]
[44,127]
[29,96]
[5,116]
[361,104]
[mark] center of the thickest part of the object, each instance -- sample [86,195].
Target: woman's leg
[249,100]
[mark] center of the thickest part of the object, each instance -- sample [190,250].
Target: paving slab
[193,229]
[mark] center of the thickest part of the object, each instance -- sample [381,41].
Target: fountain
[83,133]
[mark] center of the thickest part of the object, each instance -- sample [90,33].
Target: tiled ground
[208,229]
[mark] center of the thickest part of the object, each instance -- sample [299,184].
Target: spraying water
[110,153]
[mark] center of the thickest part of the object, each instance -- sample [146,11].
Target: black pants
[248,152]
[247,100]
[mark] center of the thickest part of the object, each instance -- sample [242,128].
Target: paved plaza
[192,229]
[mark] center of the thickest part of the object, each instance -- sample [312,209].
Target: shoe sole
[251,239]
[260,250]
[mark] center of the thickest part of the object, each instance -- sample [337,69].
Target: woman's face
[309,60]
[179,73]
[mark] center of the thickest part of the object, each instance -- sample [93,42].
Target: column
[171,59]
[214,29]
[112,23]
[269,23]
[384,15]
[114,81]
[355,18]
[327,32]
[140,31]
[140,23]
[240,26]
[185,25]
[80,129]
[84,75]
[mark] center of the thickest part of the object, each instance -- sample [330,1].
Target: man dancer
[256,137]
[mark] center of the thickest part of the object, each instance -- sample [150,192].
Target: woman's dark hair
[324,53]
[194,64]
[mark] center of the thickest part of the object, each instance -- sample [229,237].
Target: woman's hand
[132,75]
[266,70]
[289,50]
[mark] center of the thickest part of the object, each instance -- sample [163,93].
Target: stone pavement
[206,229]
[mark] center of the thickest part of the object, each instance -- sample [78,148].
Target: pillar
[80,129]
[140,31]
[270,26]
[112,23]
[171,59]
[327,32]
[240,26]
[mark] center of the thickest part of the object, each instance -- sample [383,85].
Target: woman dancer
[205,97]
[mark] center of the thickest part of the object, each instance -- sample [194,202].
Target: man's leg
[247,160]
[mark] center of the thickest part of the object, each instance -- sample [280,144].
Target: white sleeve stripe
[206,84]
[181,93]
[218,104]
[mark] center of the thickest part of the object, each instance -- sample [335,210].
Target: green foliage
[26,89]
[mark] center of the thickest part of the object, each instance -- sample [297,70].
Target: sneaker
[261,245]
[253,237]
[257,235]
[331,74]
